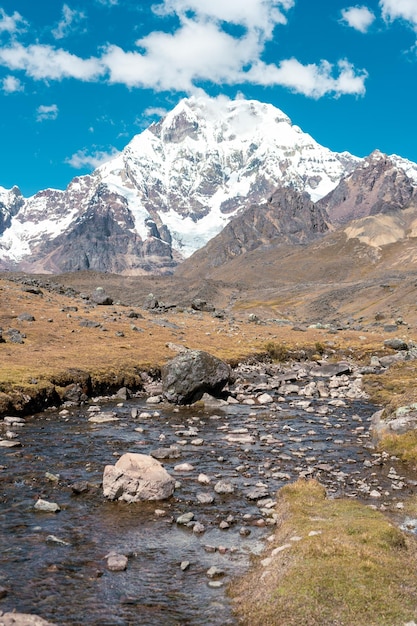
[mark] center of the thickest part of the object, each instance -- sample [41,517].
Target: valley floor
[53,336]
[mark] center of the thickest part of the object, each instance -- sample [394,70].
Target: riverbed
[54,564]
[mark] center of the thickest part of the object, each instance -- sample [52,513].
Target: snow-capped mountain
[173,188]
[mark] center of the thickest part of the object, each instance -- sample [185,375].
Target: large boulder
[135,478]
[191,374]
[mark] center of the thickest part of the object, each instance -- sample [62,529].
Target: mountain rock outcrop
[288,217]
[177,185]
[377,185]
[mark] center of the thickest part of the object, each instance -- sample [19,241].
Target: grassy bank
[330,562]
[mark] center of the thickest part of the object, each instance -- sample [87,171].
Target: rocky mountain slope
[288,217]
[173,188]
[380,184]
[180,182]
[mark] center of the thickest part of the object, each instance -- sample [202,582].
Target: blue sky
[79,79]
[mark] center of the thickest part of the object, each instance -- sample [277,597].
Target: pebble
[46,507]
[199,528]
[7,443]
[215,572]
[103,418]
[185,518]
[204,479]
[116,562]
[205,498]
[224,486]
[184,467]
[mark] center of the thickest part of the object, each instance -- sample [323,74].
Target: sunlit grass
[358,570]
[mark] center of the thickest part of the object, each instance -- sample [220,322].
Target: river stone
[6,443]
[103,418]
[135,478]
[191,374]
[46,507]
[265,398]
[22,619]
[116,562]
[224,486]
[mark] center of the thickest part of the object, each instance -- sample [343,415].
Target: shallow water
[53,564]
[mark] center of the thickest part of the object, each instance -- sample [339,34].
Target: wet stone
[116,562]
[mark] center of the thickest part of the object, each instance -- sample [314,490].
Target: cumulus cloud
[359,18]
[202,49]
[84,159]
[45,62]
[11,23]
[70,19]
[46,112]
[196,52]
[312,80]
[400,9]
[262,15]
[11,84]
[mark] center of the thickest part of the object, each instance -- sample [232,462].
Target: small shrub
[277,351]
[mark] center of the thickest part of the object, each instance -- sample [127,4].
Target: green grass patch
[403,446]
[358,569]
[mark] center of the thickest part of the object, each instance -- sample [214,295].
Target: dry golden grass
[57,347]
[56,344]
[115,352]
[348,567]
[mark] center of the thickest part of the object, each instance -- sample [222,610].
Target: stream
[54,565]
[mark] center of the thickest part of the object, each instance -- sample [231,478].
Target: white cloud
[10,23]
[11,84]
[262,15]
[155,112]
[82,158]
[46,112]
[108,3]
[70,19]
[311,80]
[201,49]
[48,63]
[360,18]
[196,52]
[400,9]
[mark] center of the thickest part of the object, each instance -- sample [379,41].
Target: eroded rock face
[189,375]
[136,478]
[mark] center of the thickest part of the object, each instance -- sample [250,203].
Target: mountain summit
[172,189]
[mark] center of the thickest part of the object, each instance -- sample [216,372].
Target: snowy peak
[173,188]
[208,158]
[11,200]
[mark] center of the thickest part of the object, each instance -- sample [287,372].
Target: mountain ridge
[174,187]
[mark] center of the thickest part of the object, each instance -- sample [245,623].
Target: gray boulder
[100,297]
[198,304]
[396,344]
[191,374]
[135,478]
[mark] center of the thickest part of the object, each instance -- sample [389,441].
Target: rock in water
[190,374]
[135,478]
[22,619]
